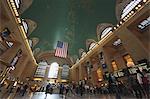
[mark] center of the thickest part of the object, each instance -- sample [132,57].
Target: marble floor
[42,95]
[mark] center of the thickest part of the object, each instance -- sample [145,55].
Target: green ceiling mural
[72,21]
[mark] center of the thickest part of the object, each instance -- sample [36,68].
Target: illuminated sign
[145,23]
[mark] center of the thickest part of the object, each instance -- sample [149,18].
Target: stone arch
[89,42]
[25,4]
[101,28]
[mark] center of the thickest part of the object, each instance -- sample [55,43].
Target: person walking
[139,77]
[47,89]
[135,86]
[25,87]
[145,80]
[113,85]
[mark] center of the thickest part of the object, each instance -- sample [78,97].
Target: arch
[101,28]
[129,7]
[25,25]
[124,7]
[88,43]
[24,4]
[53,71]
[30,42]
[81,51]
[49,55]
[35,41]
[31,26]
[83,54]
[105,32]
[92,45]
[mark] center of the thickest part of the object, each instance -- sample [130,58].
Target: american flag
[61,49]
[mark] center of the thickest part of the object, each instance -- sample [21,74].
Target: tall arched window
[53,71]
[17,2]
[92,45]
[129,7]
[30,43]
[25,25]
[83,54]
[105,32]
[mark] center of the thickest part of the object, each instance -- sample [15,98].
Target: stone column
[10,53]
[20,66]
[132,44]
[108,58]
[76,74]
[119,60]
[29,70]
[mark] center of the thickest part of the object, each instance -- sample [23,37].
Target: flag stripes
[61,49]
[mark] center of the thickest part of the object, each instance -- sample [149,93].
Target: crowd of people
[136,85]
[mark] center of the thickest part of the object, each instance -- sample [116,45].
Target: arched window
[117,42]
[92,45]
[53,71]
[25,25]
[129,7]
[83,54]
[30,43]
[77,60]
[41,69]
[17,3]
[105,32]
[145,23]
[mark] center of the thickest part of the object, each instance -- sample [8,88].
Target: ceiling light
[109,32]
[139,5]
[117,25]
[136,8]
[11,0]
[19,20]
[132,12]
[115,28]
[13,4]
[128,16]
[120,22]
[144,0]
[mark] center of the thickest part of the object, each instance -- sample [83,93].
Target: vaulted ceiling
[72,21]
